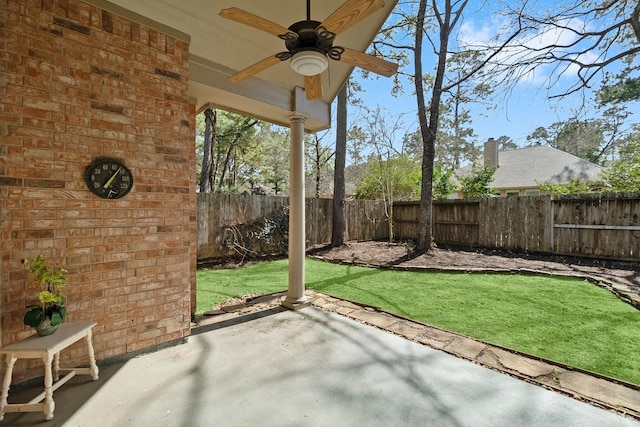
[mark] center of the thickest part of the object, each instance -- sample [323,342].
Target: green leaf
[34,317]
[56,318]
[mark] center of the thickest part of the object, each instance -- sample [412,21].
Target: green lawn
[563,319]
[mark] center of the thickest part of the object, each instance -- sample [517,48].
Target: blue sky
[517,113]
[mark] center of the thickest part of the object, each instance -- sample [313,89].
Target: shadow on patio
[306,368]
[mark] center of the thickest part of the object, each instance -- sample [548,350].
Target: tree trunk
[207,160]
[429,129]
[424,219]
[338,225]
[225,165]
[390,220]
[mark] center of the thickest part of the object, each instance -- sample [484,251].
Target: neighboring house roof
[532,166]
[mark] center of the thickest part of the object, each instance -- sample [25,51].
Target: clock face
[109,178]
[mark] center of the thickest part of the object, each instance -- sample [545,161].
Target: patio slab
[309,368]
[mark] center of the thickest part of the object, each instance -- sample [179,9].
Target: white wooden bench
[48,349]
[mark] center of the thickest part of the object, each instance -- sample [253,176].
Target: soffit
[220,47]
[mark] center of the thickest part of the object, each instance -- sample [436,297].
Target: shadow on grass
[354,273]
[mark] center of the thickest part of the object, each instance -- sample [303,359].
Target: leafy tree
[505,143]
[318,158]
[614,100]
[475,184]
[395,178]
[581,138]
[398,176]
[456,141]
[442,183]
[243,156]
[388,174]
[574,186]
[356,143]
[623,176]
[624,173]
[596,140]
[620,87]
[412,143]
[630,146]
[223,139]
[273,168]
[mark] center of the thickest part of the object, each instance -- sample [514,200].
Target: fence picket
[597,225]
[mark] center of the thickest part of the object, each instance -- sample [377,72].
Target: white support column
[295,295]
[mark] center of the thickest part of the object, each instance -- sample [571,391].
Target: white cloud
[487,33]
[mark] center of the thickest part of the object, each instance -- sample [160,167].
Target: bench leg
[6,383]
[93,368]
[56,366]
[49,404]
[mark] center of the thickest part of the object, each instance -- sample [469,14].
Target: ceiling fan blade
[368,62]
[255,68]
[351,12]
[313,86]
[255,21]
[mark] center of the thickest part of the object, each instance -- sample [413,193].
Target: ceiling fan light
[309,62]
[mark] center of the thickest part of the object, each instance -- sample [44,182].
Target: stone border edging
[609,393]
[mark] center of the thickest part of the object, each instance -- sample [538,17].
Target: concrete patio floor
[311,367]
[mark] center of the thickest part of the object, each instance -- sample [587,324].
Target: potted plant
[50,313]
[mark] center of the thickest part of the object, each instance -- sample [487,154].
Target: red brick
[124,271]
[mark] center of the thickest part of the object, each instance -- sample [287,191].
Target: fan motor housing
[308,38]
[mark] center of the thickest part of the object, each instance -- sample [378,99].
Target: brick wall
[76,83]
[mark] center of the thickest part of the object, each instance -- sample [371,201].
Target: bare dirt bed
[624,275]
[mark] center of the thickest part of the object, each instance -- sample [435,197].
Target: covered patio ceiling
[220,47]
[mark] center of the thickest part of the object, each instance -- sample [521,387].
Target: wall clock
[109,178]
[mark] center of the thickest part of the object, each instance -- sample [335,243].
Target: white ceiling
[220,47]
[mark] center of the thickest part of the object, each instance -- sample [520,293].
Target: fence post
[551,225]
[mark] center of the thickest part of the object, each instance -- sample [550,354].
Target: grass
[563,319]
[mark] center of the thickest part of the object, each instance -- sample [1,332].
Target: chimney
[491,153]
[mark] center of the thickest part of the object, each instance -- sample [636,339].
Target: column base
[296,304]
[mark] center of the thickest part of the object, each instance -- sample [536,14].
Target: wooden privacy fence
[596,225]
[232,224]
